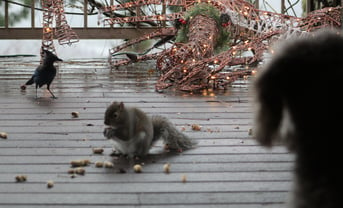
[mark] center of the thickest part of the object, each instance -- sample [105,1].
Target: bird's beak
[58,59]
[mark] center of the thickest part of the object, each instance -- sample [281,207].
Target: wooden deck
[226,169]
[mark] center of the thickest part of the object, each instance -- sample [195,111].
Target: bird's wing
[38,69]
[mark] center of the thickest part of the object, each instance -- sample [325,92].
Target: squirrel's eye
[115,115]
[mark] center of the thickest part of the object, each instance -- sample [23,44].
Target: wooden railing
[84,31]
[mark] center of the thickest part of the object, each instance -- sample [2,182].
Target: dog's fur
[299,103]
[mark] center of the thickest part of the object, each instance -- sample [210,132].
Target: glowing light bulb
[48,29]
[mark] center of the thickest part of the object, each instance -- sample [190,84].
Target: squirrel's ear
[121,105]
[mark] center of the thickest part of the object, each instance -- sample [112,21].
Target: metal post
[6,14]
[138,14]
[111,3]
[33,13]
[85,14]
[308,6]
[164,11]
[257,4]
[282,6]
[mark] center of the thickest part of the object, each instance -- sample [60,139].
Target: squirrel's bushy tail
[164,129]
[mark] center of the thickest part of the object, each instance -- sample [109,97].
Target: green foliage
[204,9]
[20,14]
[175,9]
[16,16]
[211,12]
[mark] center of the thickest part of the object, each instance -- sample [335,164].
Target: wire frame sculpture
[193,65]
[62,31]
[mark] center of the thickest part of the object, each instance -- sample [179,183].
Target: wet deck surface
[226,169]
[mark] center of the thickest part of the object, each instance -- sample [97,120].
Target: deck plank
[226,169]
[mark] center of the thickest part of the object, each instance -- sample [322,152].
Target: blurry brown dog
[298,95]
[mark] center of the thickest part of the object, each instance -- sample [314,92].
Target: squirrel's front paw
[108,132]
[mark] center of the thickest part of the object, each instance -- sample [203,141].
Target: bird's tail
[30,81]
[175,139]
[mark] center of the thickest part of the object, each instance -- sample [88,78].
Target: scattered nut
[75,114]
[80,171]
[184,178]
[50,184]
[108,164]
[137,168]
[23,87]
[80,163]
[99,164]
[71,171]
[98,150]
[250,132]
[121,170]
[166,168]
[196,127]
[3,135]
[21,178]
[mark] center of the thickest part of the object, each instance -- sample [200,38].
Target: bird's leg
[53,96]
[36,91]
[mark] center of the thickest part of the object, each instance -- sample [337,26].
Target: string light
[198,60]
[48,29]
[63,32]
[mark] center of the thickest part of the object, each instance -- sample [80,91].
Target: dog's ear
[269,110]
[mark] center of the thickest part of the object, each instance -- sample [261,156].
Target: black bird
[45,73]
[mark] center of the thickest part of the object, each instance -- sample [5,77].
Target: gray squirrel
[134,132]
